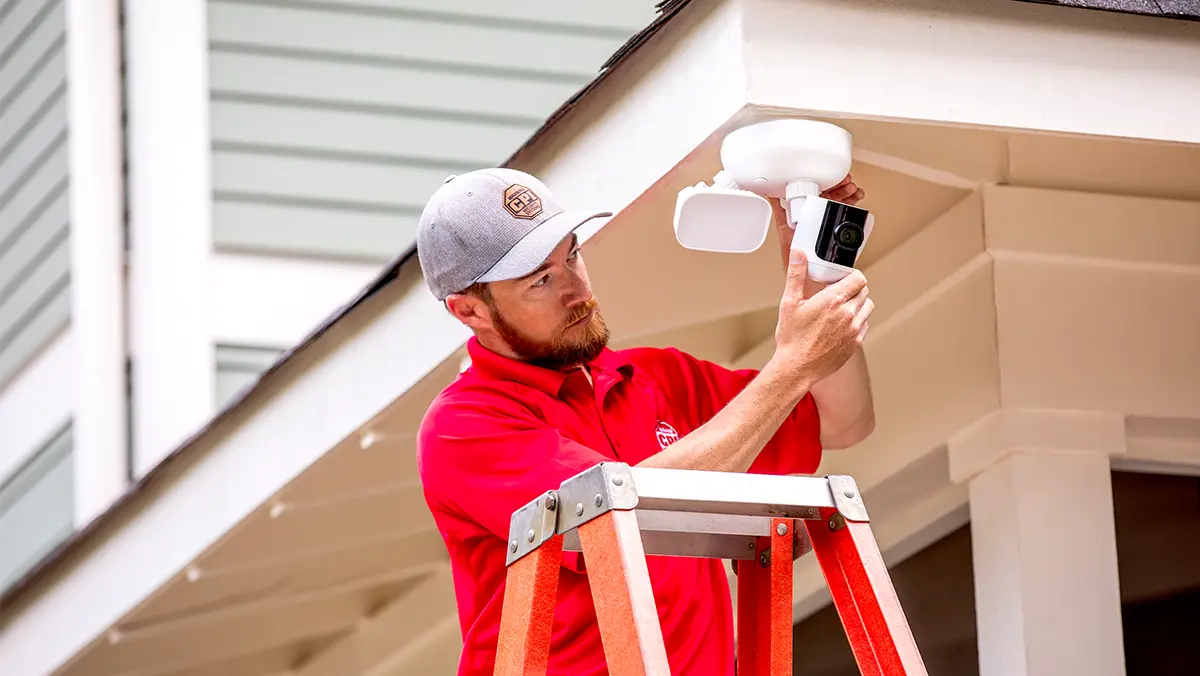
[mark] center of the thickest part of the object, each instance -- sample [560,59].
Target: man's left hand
[846,192]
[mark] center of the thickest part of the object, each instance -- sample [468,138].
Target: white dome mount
[765,158]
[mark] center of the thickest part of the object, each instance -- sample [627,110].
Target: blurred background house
[215,344]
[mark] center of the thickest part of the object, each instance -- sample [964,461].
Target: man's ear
[470,310]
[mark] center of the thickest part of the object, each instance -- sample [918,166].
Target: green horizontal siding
[238,367]
[37,508]
[35,258]
[334,120]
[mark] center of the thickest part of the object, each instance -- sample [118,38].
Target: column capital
[1004,431]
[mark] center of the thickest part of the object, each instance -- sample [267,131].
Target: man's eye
[542,280]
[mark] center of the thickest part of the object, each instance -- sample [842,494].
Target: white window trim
[97,242]
[170,204]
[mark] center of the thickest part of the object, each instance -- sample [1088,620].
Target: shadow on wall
[1158,552]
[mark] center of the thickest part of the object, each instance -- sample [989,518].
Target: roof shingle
[1171,9]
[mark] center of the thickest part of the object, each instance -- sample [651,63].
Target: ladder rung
[675,543]
[699,522]
[694,534]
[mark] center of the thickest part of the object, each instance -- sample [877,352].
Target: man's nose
[577,298]
[576,292]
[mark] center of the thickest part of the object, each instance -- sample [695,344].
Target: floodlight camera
[791,160]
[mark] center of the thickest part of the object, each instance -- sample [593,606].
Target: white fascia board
[36,404]
[643,120]
[991,64]
[272,301]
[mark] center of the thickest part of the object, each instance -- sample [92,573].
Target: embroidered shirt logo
[522,202]
[665,434]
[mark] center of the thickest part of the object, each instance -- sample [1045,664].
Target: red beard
[570,347]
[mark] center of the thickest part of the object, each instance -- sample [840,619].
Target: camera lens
[849,235]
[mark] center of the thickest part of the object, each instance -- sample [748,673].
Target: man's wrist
[789,373]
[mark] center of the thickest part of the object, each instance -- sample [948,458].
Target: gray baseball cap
[490,225]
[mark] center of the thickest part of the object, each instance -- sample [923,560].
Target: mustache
[582,312]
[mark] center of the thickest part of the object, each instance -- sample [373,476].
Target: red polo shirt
[505,432]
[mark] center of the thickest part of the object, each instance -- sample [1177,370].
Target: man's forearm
[843,400]
[844,404]
[733,438]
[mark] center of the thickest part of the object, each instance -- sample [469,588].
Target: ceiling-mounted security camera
[789,160]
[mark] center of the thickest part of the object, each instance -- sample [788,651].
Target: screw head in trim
[781,529]
[579,509]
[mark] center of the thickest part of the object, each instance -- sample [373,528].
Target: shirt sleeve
[485,460]
[702,388]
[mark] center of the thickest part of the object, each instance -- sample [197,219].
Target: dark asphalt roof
[1171,9]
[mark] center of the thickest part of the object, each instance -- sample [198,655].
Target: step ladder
[616,515]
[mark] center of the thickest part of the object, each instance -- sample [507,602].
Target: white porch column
[1047,595]
[169,224]
[97,255]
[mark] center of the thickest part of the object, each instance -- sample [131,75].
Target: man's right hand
[815,337]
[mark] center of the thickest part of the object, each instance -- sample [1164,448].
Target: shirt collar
[499,367]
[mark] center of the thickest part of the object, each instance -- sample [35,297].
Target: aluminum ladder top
[616,515]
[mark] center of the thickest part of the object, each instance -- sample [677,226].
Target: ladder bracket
[532,525]
[594,492]
[847,498]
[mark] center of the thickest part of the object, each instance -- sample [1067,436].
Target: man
[545,398]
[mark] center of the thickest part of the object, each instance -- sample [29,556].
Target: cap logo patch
[522,202]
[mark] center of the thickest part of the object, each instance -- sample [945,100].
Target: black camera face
[842,233]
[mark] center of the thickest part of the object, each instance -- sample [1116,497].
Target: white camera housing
[832,235]
[790,160]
